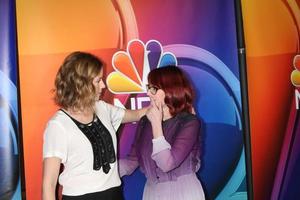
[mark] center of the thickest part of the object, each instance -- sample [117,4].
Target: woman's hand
[154,112]
[155,116]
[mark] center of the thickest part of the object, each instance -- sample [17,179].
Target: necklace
[101,141]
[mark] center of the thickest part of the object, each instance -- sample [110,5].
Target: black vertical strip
[20,130]
[244,93]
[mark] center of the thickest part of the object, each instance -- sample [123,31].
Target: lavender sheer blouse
[167,157]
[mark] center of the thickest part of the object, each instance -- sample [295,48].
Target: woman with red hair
[167,143]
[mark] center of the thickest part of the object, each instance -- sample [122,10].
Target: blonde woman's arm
[51,168]
[134,115]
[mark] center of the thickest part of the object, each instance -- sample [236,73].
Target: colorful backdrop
[134,37]
[272,41]
[198,35]
[10,176]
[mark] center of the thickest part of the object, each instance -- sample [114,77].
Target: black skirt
[110,194]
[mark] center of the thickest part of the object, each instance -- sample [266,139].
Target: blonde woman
[82,134]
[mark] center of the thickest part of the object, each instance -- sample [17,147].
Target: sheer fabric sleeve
[129,164]
[55,141]
[168,157]
[131,161]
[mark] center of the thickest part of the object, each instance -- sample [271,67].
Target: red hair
[178,90]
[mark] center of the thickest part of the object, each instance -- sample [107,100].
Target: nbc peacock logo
[132,66]
[295,78]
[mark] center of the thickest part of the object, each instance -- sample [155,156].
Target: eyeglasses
[152,89]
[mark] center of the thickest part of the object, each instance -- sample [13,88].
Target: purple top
[169,156]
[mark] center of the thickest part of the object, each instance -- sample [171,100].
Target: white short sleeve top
[64,140]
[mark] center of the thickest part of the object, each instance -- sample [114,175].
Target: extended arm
[133,115]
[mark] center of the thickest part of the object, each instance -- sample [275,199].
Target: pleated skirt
[186,187]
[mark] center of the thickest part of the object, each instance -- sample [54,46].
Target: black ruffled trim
[101,141]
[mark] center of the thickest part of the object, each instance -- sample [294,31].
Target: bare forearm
[133,115]
[157,129]
[142,112]
[50,175]
[48,192]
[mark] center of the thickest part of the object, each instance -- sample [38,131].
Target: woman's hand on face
[155,112]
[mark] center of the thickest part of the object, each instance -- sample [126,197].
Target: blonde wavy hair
[74,87]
